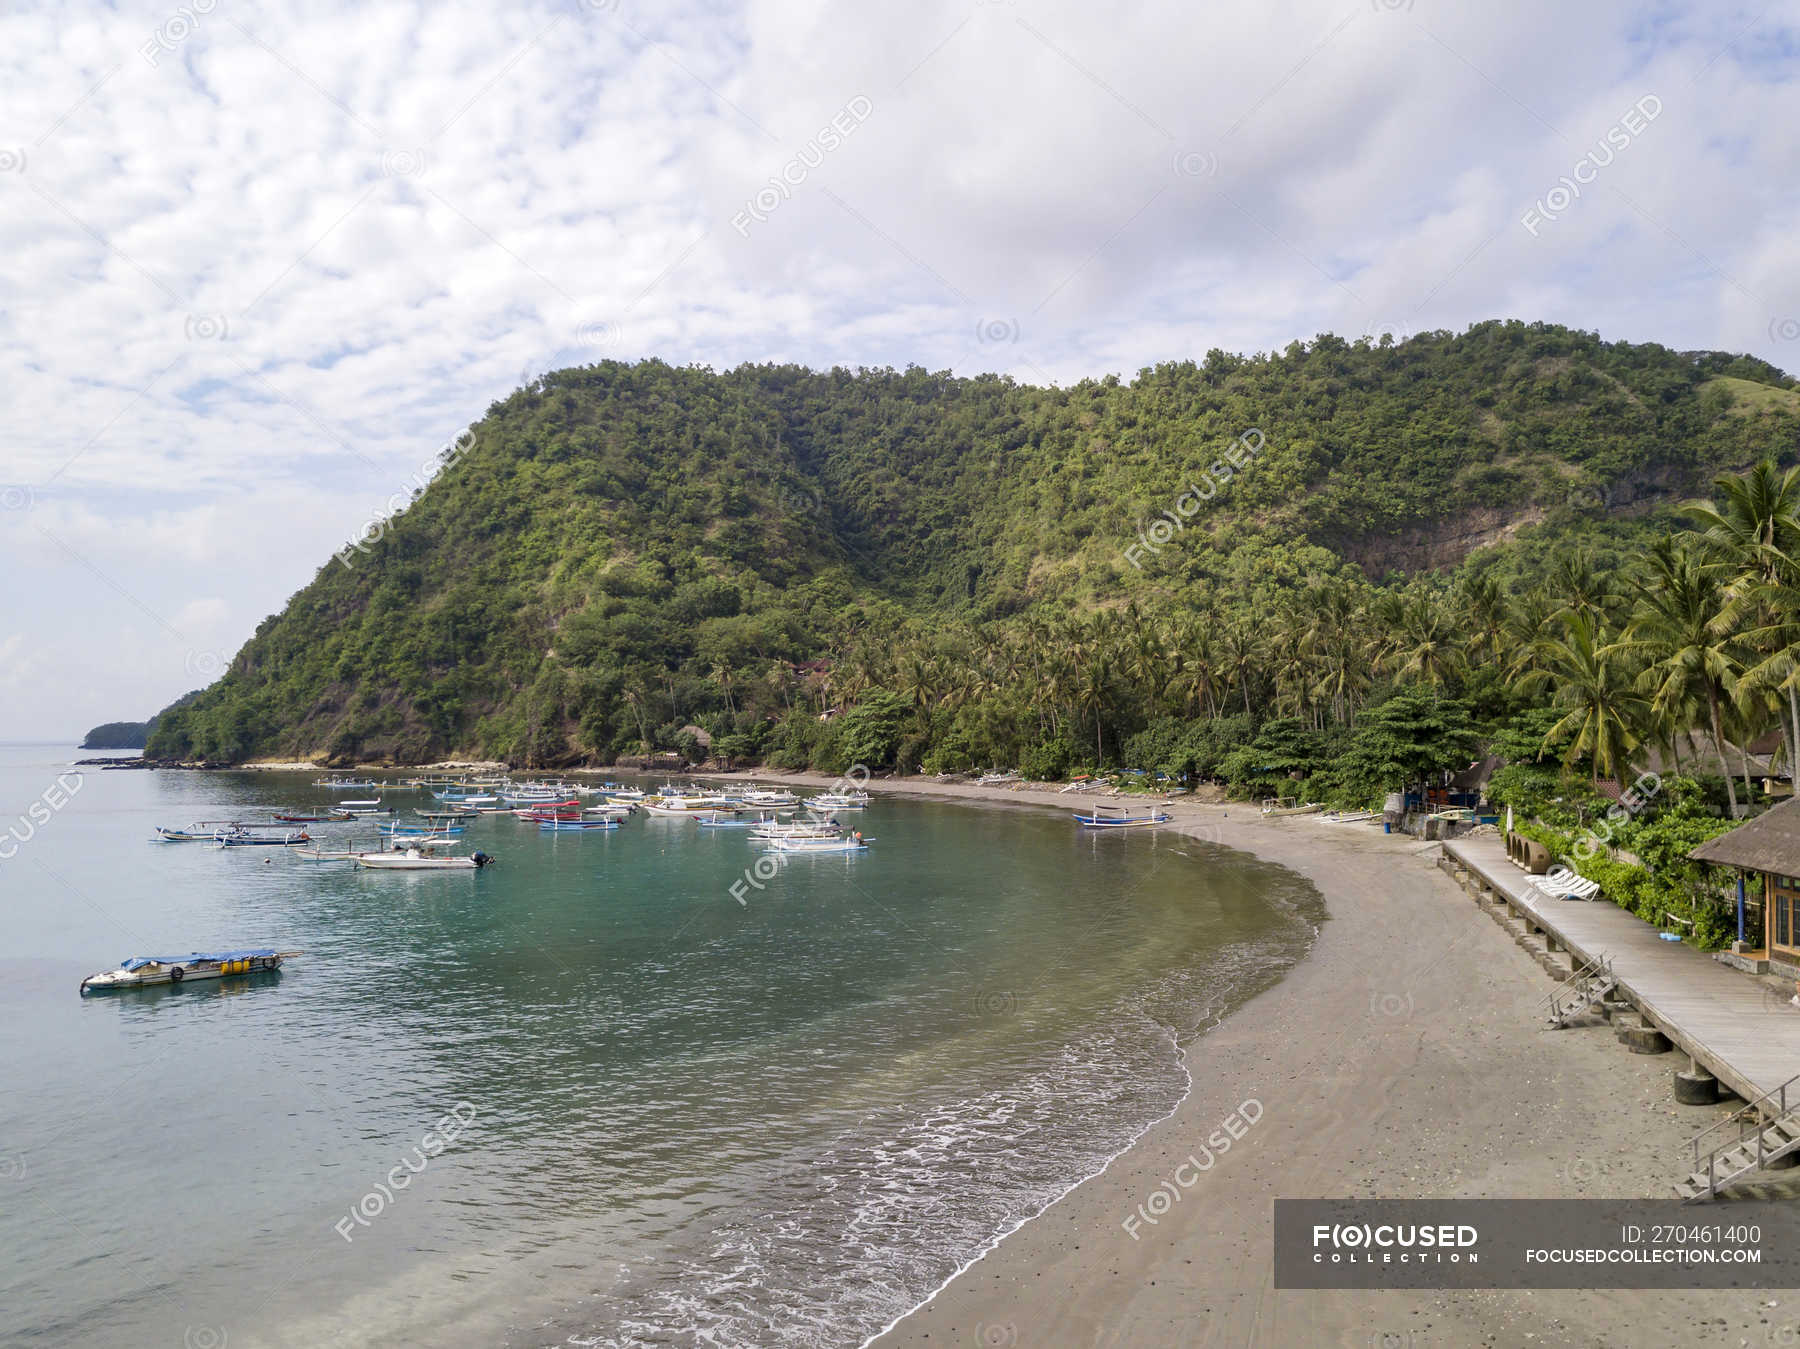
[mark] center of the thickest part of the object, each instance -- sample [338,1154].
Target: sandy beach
[1405,1058]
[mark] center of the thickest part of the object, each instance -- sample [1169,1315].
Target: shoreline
[1402,1057]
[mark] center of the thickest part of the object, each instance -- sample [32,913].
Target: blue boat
[143,971]
[548,826]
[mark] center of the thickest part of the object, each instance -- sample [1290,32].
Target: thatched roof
[1770,842]
[1698,752]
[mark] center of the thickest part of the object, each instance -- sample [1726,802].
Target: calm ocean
[584,1096]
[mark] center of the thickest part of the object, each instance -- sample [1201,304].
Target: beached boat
[421,859]
[1286,805]
[144,971]
[246,839]
[1116,817]
[847,843]
[201,831]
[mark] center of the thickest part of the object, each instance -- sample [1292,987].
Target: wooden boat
[716,820]
[420,859]
[361,812]
[629,796]
[343,784]
[847,843]
[764,797]
[246,839]
[447,814]
[329,854]
[839,801]
[1114,817]
[685,805]
[201,831]
[144,971]
[773,829]
[1285,806]
[573,826]
[609,812]
[301,819]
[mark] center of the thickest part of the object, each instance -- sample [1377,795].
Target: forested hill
[627,552]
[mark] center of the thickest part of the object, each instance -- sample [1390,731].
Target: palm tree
[1427,647]
[1604,709]
[1675,638]
[1755,529]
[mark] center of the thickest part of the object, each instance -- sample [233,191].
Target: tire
[177,974]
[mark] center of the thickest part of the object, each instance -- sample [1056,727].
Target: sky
[259,263]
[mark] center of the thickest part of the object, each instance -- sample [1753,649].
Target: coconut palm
[1605,711]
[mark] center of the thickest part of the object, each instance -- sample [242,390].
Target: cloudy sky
[257,262]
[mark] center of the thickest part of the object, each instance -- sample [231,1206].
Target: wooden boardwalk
[1737,1027]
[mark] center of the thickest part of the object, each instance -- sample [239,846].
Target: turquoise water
[688,1120]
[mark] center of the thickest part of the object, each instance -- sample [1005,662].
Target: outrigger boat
[839,801]
[849,843]
[245,839]
[342,784]
[398,830]
[773,829]
[685,805]
[718,821]
[301,819]
[1099,818]
[201,831]
[575,825]
[447,814]
[420,859]
[769,797]
[144,971]
[623,795]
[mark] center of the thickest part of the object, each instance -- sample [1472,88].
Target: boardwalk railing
[1760,1114]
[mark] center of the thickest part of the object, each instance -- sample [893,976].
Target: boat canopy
[138,962]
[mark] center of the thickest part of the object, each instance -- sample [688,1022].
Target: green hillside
[628,551]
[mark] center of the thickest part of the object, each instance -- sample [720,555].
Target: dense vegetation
[1430,542]
[117,735]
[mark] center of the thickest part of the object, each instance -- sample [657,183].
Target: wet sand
[1405,1058]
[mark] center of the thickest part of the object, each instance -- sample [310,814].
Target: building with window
[1767,851]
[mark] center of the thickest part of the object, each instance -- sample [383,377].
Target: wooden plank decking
[1739,1028]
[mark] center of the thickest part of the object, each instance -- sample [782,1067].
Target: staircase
[1765,1130]
[1586,986]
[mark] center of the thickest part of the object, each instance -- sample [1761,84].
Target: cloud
[263,262]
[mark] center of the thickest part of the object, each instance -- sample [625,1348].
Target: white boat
[329,854]
[769,796]
[839,801]
[144,971]
[627,795]
[774,829]
[368,803]
[343,784]
[683,805]
[202,831]
[848,843]
[420,859]
[608,812]
[1113,817]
